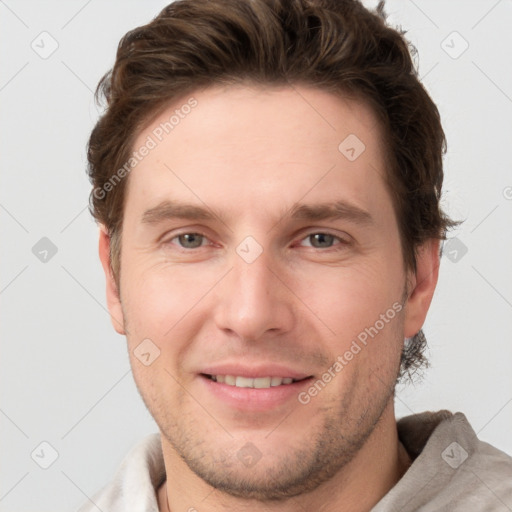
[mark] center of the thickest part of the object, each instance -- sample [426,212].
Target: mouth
[255,383]
[263,387]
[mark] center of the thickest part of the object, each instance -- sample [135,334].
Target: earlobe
[422,286]
[113,298]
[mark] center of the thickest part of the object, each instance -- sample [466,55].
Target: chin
[269,469]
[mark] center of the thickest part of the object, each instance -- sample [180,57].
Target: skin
[300,303]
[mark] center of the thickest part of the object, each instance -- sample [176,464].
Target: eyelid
[305,232]
[184,229]
[342,240]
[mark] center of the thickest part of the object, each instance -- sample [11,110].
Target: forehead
[253,143]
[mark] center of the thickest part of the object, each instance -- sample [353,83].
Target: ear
[421,286]
[113,298]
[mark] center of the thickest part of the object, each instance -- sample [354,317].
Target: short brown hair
[335,45]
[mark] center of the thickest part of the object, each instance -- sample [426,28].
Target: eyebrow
[332,211]
[168,210]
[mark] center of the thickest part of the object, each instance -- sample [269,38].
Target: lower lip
[254,399]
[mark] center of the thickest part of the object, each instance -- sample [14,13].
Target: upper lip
[254,371]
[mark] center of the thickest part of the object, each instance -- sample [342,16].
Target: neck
[357,487]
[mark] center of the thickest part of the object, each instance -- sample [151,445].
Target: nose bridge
[252,300]
[256,279]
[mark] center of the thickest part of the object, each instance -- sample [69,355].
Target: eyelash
[342,242]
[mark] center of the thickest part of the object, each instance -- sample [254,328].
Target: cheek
[348,300]
[156,300]
[168,306]
[362,310]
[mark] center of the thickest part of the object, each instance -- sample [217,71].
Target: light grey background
[64,371]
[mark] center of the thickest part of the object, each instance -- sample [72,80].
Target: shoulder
[452,470]
[479,474]
[135,482]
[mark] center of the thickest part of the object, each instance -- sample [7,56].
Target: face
[261,262]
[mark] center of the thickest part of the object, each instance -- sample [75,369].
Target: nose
[254,300]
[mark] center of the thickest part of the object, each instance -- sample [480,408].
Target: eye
[322,240]
[189,240]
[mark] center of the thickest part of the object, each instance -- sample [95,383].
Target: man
[267,178]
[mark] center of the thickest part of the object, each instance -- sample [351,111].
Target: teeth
[262,382]
[243,382]
[246,382]
[276,381]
